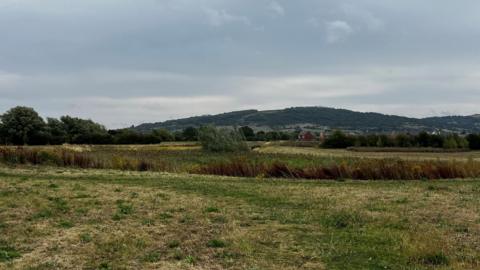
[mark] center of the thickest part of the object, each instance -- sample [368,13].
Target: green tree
[450,143]
[248,133]
[23,125]
[474,141]
[190,134]
[221,140]
[56,131]
[164,135]
[81,131]
[338,140]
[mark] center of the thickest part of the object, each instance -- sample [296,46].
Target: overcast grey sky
[124,62]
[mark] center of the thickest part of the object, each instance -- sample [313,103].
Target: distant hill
[321,118]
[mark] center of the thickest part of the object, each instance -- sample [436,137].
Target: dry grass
[101,219]
[253,164]
[343,153]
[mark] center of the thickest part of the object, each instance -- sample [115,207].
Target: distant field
[384,153]
[53,218]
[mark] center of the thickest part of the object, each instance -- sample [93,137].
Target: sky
[126,62]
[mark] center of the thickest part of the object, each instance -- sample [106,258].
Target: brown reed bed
[362,169]
[249,165]
[69,158]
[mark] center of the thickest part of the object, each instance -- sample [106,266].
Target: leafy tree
[23,125]
[248,133]
[474,141]
[221,140]
[338,140]
[190,134]
[403,140]
[450,143]
[82,131]
[261,136]
[164,135]
[56,131]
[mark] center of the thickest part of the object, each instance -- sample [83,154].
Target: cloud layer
[128,62]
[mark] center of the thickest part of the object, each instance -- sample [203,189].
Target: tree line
[24,126]
[423,139]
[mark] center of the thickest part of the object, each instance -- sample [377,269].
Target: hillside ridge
[322,118]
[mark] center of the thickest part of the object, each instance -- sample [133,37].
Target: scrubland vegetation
[172,206]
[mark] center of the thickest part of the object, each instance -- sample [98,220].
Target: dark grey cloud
[125,62]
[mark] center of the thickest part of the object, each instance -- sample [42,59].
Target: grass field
[342,153]
[54,218]
[62,217]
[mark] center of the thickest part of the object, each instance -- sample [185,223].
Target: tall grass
[243,165]
[361,169]
[68,158]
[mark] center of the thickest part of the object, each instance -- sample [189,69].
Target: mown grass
[177,221]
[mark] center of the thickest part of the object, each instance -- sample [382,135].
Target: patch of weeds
[12,205]
[462,229]
[173,244]
[117,190]
[85,238]
[7,252]
[228,255]
[117,217]
[343,219]
[67,224]
[216,243]
[151,257]
[134,195]
[104,266]
[82,211]
[6,193]
[82,196]
[437,188]
[165,216]
[140,243]
[44,266]
[43,213]
[78,187]
[434,259]
[3,225]
[403,200]
[212,209]
[178,254]
[186,219]
[376,207]
[245,224]
[163,196]
[190,259]
[53,186]
[219,219]
[60,204]
[148,222]
[123,209]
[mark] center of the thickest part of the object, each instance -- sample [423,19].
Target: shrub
[339,140]
[221,140]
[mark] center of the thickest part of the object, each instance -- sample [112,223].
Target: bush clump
[222,140]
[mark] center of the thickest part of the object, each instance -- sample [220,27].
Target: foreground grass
[53,218]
